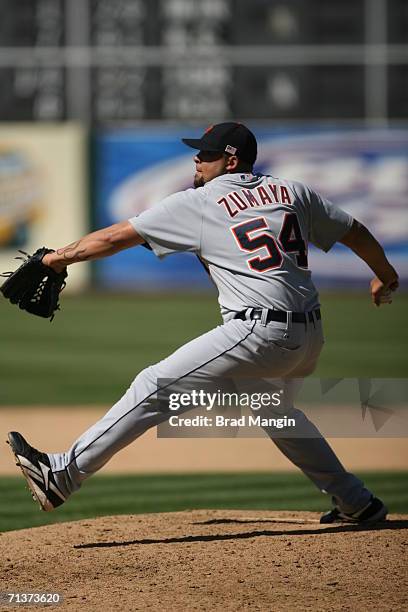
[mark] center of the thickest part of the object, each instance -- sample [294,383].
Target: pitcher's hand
[381,292]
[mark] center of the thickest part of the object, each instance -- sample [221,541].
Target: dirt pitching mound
[210,560]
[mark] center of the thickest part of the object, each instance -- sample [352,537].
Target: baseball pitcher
[252,234]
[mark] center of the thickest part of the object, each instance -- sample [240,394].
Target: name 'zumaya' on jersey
[263,195]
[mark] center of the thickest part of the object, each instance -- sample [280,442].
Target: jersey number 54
[289,241]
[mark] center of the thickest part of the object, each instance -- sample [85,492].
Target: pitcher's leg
[311,453]
[317,460]
[130,417]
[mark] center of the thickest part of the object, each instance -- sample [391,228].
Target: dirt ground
[54,430]
[211,560]
[207,559]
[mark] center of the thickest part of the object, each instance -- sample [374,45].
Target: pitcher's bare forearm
[360,240]
[99,244]
[363,243]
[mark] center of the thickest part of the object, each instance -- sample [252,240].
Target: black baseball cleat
[36,470]
[374,512]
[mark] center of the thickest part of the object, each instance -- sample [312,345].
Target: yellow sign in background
[43,184]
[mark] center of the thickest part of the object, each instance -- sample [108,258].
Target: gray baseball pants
[237,349]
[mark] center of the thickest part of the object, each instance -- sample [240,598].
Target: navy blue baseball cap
[233,138]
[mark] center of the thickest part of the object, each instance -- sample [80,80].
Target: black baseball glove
[34,286]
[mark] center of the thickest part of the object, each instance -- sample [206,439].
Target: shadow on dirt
[340,528]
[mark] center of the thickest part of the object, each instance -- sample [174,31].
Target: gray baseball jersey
[252,233]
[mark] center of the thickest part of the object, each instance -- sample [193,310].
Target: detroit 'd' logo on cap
[230,149]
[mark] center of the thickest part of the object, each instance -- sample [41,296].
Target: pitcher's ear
[232,163]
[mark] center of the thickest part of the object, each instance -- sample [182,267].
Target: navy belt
[280,315]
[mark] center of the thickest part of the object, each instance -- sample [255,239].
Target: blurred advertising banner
[364,171]
[43,183]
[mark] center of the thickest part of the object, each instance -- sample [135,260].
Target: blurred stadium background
[95,96]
